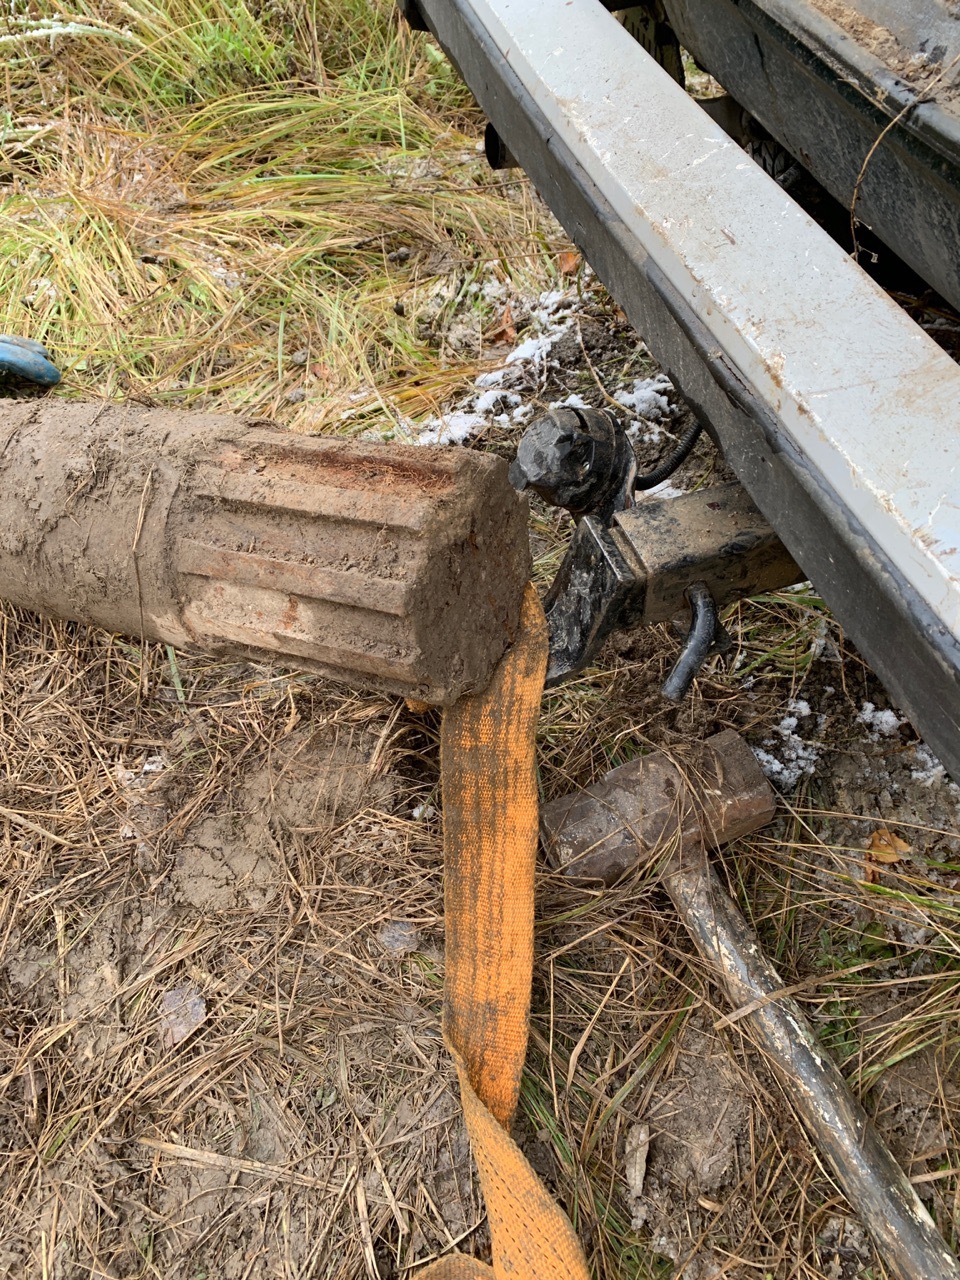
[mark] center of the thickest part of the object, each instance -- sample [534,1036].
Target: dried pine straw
[220,885]
[250,837]
[128,1154]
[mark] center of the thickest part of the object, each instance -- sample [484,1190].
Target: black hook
[704,627]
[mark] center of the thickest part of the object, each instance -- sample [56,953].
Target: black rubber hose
[699,641]
[663,470]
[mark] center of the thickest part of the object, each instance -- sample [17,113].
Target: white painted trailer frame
[839,414]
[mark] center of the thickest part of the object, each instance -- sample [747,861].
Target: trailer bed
[866,96]
[839,414]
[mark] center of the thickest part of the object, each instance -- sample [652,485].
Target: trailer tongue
[838,413]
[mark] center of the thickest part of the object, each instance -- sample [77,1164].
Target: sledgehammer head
[715,794]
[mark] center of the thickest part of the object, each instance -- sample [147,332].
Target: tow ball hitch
[636,558]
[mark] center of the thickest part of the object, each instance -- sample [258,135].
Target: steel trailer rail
[839,415]
[825,92]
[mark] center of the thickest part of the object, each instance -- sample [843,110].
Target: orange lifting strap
[490,830]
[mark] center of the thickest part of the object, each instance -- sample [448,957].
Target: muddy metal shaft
[389,567]
[656,812]
[875,1185]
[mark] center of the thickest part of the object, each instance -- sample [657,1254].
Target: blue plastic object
[27,359]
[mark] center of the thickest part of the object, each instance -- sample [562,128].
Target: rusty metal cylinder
[654,805]
[385,566]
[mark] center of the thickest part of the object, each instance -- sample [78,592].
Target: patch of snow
[648,432]
[790,757]
[548,315]
[551,315]
[459,425]
[573,401]
[493,290]
[452,428]
[823,645]
[882,722]
[495,398]
[929,769]
[550,303]
[534,350]
[648,399]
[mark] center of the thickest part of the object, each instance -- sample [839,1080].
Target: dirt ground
[221,936]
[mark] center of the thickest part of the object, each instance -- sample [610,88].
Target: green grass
[201,202]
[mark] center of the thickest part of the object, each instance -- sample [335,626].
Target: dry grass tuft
[221,949]
[205,205]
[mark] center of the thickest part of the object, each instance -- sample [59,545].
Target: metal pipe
[876,1187]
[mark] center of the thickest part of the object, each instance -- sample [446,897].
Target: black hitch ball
[578,459]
